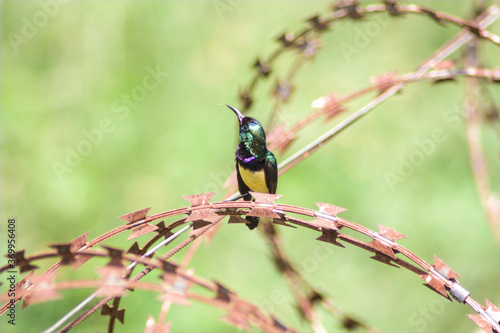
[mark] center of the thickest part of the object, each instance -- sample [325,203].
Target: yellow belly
[256,181]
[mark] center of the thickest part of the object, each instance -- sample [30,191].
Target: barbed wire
[331,106]
[204,217]
[308,46]
[201,214]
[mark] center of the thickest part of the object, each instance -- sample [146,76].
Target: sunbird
[256,167]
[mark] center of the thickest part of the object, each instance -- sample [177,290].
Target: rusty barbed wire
[444,71]
[307,46]
[43,288]
[438,276]
[281,138]
[437,76]
[332,105]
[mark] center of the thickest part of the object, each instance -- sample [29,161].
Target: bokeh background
[77,77]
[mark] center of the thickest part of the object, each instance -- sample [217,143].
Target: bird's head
[251,131]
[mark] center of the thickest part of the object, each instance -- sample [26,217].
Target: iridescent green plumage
[256,167]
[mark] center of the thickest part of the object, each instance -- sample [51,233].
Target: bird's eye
[244,127]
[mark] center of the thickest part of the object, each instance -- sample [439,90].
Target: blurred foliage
[77,90]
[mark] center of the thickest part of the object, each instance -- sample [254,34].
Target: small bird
[256,167]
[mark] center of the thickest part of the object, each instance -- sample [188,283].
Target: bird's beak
[238,113]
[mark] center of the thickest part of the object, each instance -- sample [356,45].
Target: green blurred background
[68,67]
